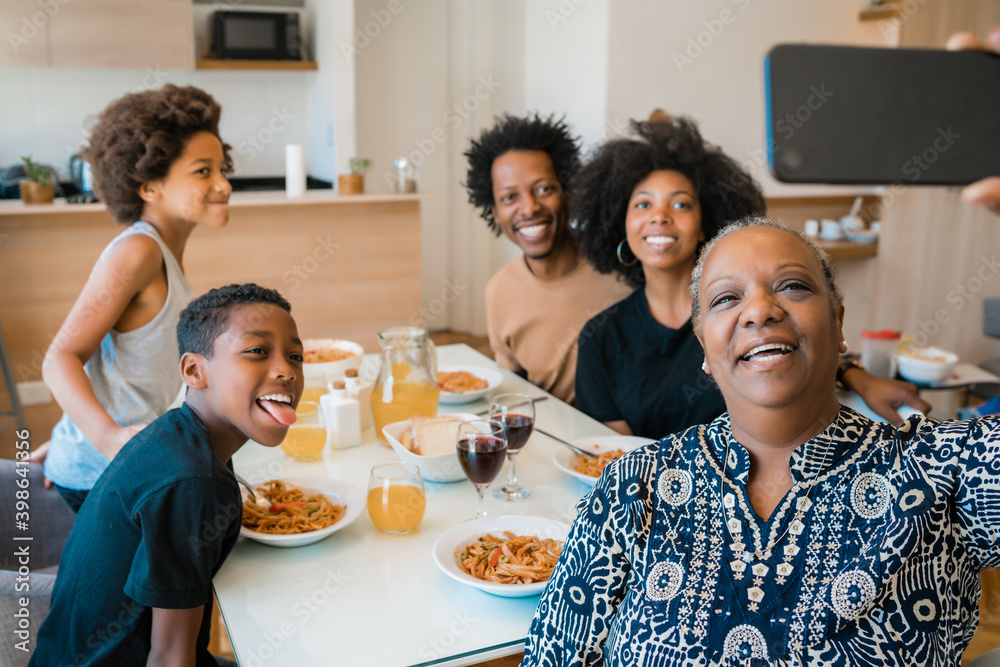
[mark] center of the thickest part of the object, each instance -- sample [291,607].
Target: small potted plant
[354,182]
[36,187]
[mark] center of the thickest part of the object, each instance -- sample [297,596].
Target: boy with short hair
[134,583]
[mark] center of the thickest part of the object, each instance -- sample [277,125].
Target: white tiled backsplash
[47,112]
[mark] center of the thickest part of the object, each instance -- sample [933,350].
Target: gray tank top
[135,376]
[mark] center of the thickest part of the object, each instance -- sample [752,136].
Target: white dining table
[365,598]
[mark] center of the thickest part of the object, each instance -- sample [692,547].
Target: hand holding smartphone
[854,115]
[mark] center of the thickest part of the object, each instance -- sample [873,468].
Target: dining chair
[48,524]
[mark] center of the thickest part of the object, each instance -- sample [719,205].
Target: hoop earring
[619,253]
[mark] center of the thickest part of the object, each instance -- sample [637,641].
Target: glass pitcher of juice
[407,378]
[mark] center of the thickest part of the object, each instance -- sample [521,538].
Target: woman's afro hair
[511,133]
[138,137]
[602,188]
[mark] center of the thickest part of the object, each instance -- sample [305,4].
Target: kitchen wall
[706,61]
[596,62]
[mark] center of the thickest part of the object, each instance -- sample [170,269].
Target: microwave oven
[256,36]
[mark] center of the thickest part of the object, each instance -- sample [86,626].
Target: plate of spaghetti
[296,511]
[464,384]
[508,556]
[608,448]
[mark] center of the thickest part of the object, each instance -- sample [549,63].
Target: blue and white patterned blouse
[879,566]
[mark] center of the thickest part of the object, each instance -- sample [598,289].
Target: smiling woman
[789,531]
[644,207]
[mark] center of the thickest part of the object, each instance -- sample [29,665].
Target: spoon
[249,488]
[582,452]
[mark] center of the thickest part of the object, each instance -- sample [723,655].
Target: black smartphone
[839,114]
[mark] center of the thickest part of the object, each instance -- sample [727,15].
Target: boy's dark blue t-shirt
[153,532]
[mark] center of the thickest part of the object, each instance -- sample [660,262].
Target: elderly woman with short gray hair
[790,530]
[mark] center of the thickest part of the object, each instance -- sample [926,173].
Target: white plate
[436,468]
[492,377]
[339,493]
[565,458]
[448,546]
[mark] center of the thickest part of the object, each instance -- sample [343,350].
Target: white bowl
[862,235]
[565,458]
[492,377]
[437,468]
[321,373]
[339,493]
[922,370]
[451,543]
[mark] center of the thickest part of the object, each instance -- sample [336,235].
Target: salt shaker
[343,417]
[361,391]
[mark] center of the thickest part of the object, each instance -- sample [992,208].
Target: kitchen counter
[237,200]
[349,265]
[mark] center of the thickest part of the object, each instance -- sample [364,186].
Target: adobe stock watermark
[31,25]
[915,167]
[255,143]
[787,126]
[130,612]
[435,648]
[958,297]
[430,313]
[704,39]
[91,309]
[890,27]
[299,272]
[303,610]
[562,12]
[918,164]
[453,117]
[796,120]
[362,36]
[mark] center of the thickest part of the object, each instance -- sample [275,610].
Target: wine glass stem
[479,509]
[512,473]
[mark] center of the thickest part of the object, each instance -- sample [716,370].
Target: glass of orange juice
[396,499]
[307,436]
[312,394]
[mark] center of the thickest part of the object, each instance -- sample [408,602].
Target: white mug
[830,230]
[811,228]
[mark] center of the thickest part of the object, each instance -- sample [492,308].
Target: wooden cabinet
[154,35]
[26,28]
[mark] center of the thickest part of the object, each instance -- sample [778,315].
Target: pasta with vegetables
[289,510]
[514,559]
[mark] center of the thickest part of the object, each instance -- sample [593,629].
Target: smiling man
[536,305]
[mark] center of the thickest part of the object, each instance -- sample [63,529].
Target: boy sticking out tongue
[166,512]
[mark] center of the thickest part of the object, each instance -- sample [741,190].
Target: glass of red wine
[482,444]
[517,413]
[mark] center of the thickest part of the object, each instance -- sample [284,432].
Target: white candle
[295,170]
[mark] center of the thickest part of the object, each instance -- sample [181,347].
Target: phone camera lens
[791,159]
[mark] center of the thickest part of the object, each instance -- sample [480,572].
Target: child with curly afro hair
[160,167]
